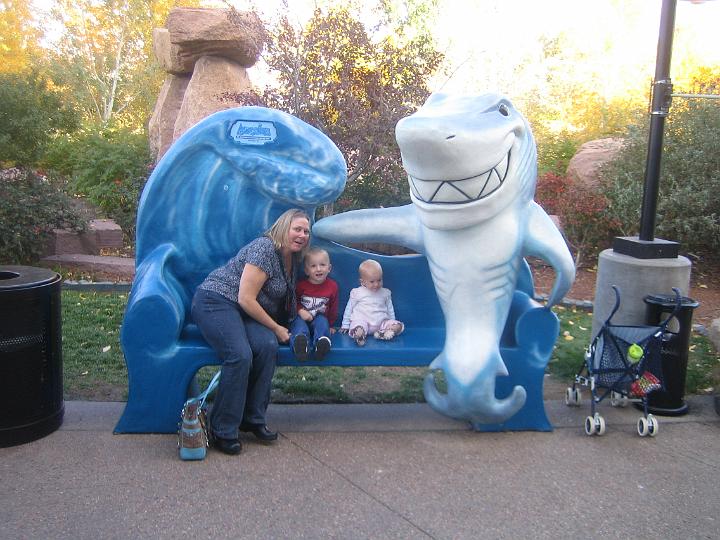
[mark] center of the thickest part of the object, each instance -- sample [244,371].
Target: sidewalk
[370,471]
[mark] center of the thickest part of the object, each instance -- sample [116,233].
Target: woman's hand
[283,334]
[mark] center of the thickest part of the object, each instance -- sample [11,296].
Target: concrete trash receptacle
[31,384]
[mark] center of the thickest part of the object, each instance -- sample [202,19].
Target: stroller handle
[658,298]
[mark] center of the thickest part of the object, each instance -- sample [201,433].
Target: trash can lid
[23,277]
[670,300]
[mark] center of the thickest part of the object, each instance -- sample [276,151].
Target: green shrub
[30,113]
[555,151]
[109,167]
[31,206]
[688,206]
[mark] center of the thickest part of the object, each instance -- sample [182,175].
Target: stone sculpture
[472,168]
[206,53]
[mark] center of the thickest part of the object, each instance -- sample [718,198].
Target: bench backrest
[407,276]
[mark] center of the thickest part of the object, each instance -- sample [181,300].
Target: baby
[370,308]
[317,307]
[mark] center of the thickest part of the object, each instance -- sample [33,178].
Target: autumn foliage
[582,213]
[333,75]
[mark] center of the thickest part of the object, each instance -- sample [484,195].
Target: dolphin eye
[504,109]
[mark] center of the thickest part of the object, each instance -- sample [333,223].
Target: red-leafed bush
[583,214]
[550,190]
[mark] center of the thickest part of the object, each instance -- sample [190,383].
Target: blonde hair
[278,231]
[315,251]
[370,264]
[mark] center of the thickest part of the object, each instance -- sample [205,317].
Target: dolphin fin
[398,226]
[545,241]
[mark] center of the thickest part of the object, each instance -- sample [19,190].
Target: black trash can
[674,355]
[31,386]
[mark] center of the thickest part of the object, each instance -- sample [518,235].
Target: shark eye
[504,109]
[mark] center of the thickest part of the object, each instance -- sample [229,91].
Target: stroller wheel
[595,425]
[653,425]
[572,397]
[599,424]
[643,426]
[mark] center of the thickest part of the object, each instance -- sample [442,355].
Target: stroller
[624,364]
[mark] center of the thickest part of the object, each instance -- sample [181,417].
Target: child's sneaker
[300,347]
[322,347]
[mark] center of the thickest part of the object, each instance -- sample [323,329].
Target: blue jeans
[248,352]
[317,328]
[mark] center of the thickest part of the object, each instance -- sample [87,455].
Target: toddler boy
[317,307]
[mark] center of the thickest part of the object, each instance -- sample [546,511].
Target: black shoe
[261,432]
[300,347]
[231,447]
[322,347]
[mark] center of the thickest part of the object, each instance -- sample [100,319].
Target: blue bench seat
[416,347]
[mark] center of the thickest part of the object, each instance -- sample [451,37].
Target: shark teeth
[461,191]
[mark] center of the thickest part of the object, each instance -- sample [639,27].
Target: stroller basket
[613,366]
[624,363]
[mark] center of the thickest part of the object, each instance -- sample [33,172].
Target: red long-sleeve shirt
[318,298]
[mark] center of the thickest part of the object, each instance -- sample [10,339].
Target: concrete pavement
[370,471]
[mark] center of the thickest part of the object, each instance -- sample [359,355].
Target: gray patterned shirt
[261,253]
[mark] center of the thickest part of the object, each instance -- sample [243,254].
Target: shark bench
[222,184]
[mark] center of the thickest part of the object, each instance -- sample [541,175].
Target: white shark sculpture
[472,168]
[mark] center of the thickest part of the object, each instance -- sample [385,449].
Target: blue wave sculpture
[223,183]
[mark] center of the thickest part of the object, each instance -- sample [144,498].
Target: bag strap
[200,399]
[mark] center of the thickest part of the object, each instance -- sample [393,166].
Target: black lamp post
[646,246]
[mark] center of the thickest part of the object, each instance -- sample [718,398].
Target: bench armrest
[155,313]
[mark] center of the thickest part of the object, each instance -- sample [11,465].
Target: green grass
[94,367]
[310,384]
[703,371]
[569,353]
[93,364]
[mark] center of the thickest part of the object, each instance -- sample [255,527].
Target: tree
[104,57]
[335,76]
[18,36]
[569,107]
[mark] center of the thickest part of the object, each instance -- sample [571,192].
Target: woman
[241,309]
